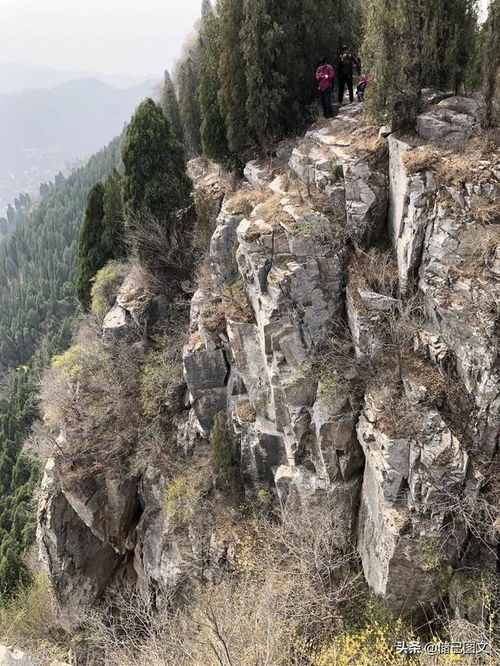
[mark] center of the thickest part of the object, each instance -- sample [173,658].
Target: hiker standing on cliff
[324,76]
[345,68]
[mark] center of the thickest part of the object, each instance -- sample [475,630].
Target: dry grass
[452,166]
[487,212]
[375,270]
[272,212]
[245,412]
[235,303]
[422,158]
[244,201]
[372,149]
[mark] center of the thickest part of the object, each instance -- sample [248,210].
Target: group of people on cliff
[343,71]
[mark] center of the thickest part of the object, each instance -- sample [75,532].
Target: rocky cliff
[347,325]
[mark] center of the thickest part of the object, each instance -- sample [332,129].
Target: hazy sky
[129,36]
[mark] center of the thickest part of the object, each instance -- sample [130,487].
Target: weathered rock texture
[369,376]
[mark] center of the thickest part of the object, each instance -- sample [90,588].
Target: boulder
[444,124]
[258,174]
[465,105]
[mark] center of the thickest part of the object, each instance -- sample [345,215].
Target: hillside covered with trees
[38,301]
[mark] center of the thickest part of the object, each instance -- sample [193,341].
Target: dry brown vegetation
[245,412]
[103,396]
[375,270]
[286,592]
[244,201]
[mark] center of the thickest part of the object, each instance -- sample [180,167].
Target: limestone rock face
[377,394]
[79,564]
[402,515]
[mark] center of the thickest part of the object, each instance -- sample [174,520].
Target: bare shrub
[90,393]
[166,259]
[375,269]
[30,622]
[291,582]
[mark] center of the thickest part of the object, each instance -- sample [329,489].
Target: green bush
[223,453]
[161,376]
[105,287]
[185,494]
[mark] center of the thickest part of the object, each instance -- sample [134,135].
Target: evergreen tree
[90,255]
[155,183]
[213,128]
[11,214]
[233,85]
[268,102]
[187,79]
[113,230]
[413,44]
[170,106]
[491,64]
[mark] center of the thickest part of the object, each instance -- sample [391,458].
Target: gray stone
[442,124]
[77,562]
[258,174]
[468,105]
[204,370]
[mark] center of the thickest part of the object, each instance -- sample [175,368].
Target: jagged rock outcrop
[347,324]
[79,563]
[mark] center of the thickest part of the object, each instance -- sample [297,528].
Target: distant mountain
[43,131]
[19,76]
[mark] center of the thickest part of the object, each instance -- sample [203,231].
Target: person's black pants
[343,81]
[326,102]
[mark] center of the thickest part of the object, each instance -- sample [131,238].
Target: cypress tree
[233,84]
[101,234]
[268,101]
[90,254]
[491,64]
[213,127]
[187,79]
[155,183]
[413,44]
[170,106]
[113,231]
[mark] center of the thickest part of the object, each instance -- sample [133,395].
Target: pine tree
[90,256]
[155,183]
[213,127]
[170,106]
[491,64]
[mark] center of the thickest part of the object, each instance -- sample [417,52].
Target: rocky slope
[348,327]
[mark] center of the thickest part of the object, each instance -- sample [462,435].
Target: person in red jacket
[324,76]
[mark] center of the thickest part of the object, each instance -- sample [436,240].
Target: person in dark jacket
[346,65]
[324,76]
